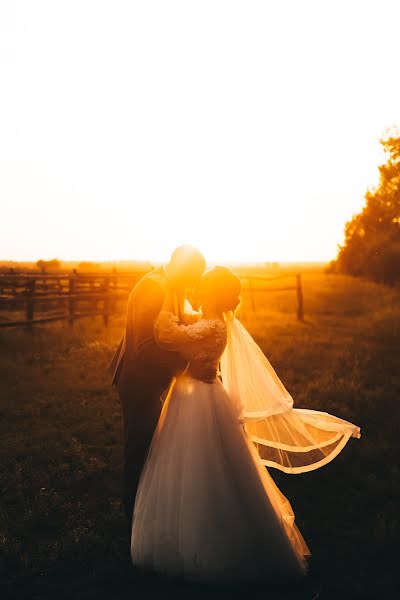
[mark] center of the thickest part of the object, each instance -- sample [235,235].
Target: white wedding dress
[206,507]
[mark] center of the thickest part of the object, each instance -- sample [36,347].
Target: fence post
[114,278]
[71,301]
[300,306]
[30,303]
[106,307]
[113,301]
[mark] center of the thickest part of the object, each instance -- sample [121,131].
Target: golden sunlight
[252,134]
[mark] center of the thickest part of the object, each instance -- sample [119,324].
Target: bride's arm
[188,340]
[170,335]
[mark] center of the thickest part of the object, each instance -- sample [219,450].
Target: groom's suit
[141,371]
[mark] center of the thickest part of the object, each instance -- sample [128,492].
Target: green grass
[62,528]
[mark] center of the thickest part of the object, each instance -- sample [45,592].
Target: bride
[206,508]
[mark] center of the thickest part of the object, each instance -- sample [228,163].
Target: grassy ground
[62,528]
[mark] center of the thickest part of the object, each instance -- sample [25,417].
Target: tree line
[372,237]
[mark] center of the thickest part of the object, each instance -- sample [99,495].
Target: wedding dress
[206,507]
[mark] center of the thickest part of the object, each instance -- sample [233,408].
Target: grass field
[62,529]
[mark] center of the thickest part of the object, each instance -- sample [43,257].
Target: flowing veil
[290,439]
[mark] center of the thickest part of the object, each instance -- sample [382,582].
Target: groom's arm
[148,304]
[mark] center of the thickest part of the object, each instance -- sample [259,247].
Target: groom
[140,370]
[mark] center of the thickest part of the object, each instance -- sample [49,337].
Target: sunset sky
[250,129]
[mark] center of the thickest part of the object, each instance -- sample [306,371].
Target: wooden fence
[254,286]
[31,298]
[40,298]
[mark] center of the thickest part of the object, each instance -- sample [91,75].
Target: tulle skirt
[206,508]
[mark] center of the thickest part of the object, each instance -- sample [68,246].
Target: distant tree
[372,237]
[48,265]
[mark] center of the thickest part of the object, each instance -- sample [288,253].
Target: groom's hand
[190,318]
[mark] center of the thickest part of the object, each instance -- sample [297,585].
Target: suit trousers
[141,408]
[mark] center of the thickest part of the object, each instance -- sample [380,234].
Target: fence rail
[252,290]
[42,297]
[66,296]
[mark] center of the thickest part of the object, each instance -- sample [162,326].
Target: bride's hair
[224,285]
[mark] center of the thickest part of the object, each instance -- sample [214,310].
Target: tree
[48,265]
[372,237]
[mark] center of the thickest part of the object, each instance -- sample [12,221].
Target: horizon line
[160,262]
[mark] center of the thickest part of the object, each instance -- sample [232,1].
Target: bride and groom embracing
[204,414]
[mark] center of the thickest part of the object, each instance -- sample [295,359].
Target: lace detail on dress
[201,341]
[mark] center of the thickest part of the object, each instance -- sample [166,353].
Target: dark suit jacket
[138,356]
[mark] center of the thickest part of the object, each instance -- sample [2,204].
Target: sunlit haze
[250,129]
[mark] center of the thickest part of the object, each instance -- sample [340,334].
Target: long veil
[290,439]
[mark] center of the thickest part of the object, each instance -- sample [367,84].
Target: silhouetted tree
[372,237]
[48,265]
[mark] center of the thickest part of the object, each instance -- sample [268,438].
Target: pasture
[62,529]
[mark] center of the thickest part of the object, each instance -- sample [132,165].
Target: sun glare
[250,130]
